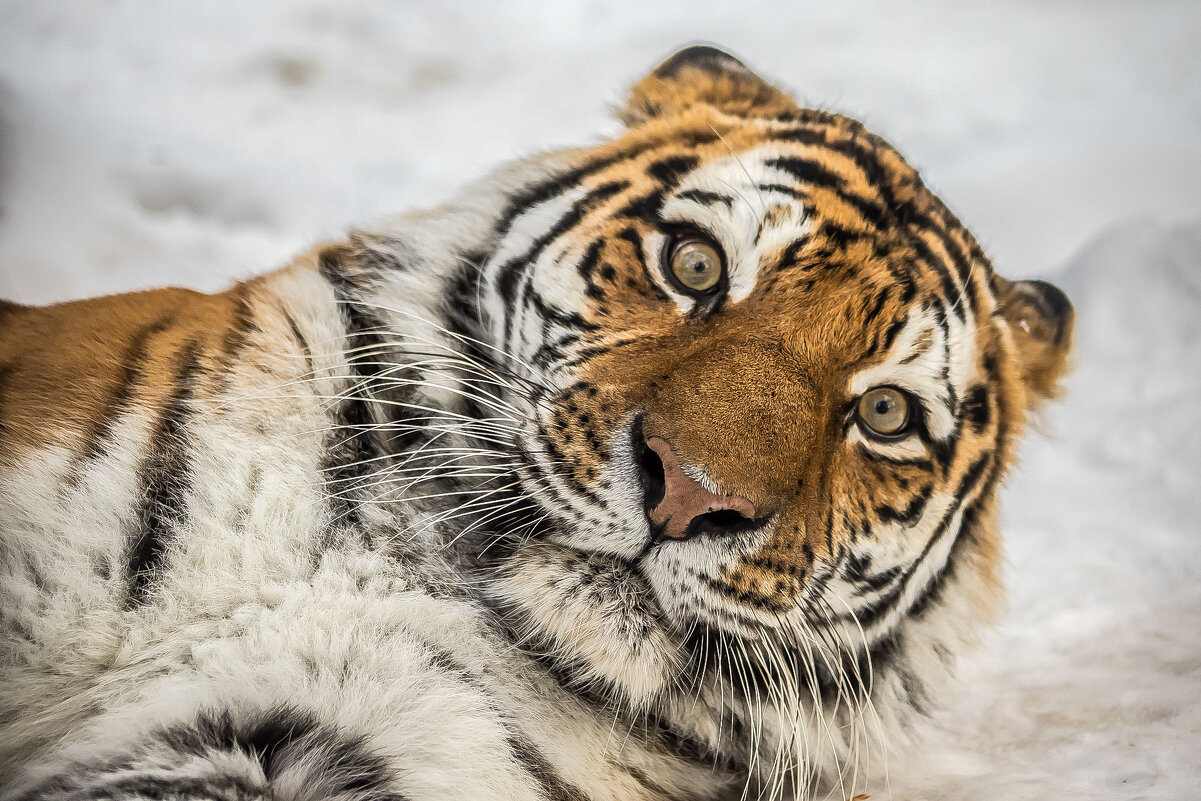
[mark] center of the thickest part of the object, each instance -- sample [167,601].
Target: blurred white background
[150,143]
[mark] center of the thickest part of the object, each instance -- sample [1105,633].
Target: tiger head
[764,386]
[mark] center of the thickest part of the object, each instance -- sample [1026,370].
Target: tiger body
[410,517]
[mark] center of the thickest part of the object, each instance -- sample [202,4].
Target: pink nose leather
[684,499]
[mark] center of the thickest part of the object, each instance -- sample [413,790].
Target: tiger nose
[678,506]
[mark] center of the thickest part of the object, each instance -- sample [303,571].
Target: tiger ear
[1041,319]
[703,75]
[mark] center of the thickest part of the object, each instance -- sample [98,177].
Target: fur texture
[379,524]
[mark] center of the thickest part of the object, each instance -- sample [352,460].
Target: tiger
[664,468]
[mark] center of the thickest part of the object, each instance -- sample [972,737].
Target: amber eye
[695,264]
[884,411]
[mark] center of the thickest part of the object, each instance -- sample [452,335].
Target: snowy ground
[153,143]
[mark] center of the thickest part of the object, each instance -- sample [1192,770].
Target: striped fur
[372,526]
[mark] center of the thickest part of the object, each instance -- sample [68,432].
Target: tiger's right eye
[695,264]
[885,412]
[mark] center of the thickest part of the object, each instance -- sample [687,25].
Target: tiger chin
[660,469]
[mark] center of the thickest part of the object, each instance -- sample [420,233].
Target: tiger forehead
[838,153]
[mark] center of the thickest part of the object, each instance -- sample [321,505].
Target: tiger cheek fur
[694,436]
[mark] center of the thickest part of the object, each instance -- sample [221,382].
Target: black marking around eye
[918,462]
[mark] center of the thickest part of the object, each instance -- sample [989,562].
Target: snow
[146,143]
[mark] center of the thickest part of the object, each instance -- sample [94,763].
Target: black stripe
[353,447]
[865,159]
[587,268]
[856,672]
[510,274]
[870,614]
[551,314]
[706,198]
[938,227]
[546,190]
[814,174]
[244,324]
[288,745]
[975,408]
[807,172]
[891,333]
[912,511]
[129,373]
[668,171]
[236,336]
[782,189]
[930,595]
[462,318]
[877,306]
[856,571]
[949,288]
[301,341]
[553,786]
[747,598]
[631,236]
[165,481]
[567,476]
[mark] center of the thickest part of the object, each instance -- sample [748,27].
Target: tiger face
[776,380]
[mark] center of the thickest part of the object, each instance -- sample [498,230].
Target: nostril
[650,470]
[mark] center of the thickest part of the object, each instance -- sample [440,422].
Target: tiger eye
[696,265]
[884,410]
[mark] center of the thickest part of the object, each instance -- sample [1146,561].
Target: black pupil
[882,406]
[699,265]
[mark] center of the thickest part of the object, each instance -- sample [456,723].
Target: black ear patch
[703,75]
[1041,319]
[1047,312]
[703,57]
